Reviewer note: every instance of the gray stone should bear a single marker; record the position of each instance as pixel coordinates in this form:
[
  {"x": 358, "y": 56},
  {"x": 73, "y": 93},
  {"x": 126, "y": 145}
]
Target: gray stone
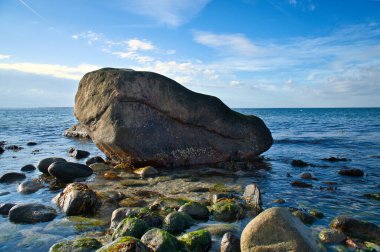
[
  {"x": 95, "y": 160},
  {"x": 332, "y": 236},
  {"x": 125, "y": 244},
  {"x": 11, "y": 177},
  {"x": 77, "y": 131},
  {"x": 44, "y": 164},
  {"x": 28, "y": 187},
  {"x": 79, "y": 154},
  {"x": 5, "y": 207},
  {"x": 159, "y": 240},
  {"x": 252, "y": 197},
  {"x": 28, "y": 168},
  {"x": 230, "y": 243},
  {"x": 125, "y": 110},
  {"x": 31, "y": 213},
  {"x": 176, "y": 222},
  {"x": 195, "y": 210},
  {"x": 68, "y": 171}
]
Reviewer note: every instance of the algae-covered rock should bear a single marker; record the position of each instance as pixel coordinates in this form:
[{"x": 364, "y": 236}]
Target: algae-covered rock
[
  {"x": 161, "y": 241},
  {"x": 332, "y": 236},
  {"x": 196, "y": 241},
  {"x": 195, "y": 210},
  {"x": 356, "y": 228},
  {"x": 130, "y": 227},
  {"x": 77, "y": 245},
  {"x": 177, "y": 222},
  {"x": 125, "y": 244},
  {"x": 304, "y": 217},
  {"x": 226, "y": 211},
  {"x": 316, "y": 213}
]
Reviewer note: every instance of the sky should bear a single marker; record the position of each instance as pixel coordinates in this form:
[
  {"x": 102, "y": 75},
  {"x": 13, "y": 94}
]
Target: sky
[{"x": 248, "y": 53}]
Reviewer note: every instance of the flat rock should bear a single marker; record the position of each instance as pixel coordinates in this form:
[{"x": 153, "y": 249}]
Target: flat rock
[
  {"x": 78, "y": 199},
  {"x": 276, "y": 229},
  {"x": 31, "y": 213},
  {"x": 68, "y": 171},
  {"x": 11, "y": 177},
  {"x": 28, "y": 187},
  {"x": 124, "y": 110},
  {"x": 44, "y": 164}
]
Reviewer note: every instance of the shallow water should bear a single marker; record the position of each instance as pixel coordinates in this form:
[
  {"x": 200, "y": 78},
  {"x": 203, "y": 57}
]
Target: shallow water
[{"x": 307, "y": 134}]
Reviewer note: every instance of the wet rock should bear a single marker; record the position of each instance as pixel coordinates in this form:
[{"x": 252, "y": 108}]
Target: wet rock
[
  {"x": 146, "y": 172},
  {"x": 307, "y": 175},
  {"x": 195, "y": 210},
  {"x": 160, "y": 240},
  {"x": 332, "y": 236},
  {"x": 125, "y": 244},
  {"x": 336, "y": 159},
  {"x": 31, "y": 144},
  {"x": 279, "y": 201},
  {"x": 355, "y": 244},
  {"x": 304, "y": 217},
  {"x": 78, "y": 245},
  {"x": 111, "y": 175},
  {"x": 356, "y": 228},
  {"x": 196, "y": 241},
  {"x": 151, "y": 218},
  {"x": 130, "y": 227},
  {"x": 301, "y": 184},
  {"x": 99, "y": 167},
  {"x": 375, "y": 196},
  {"x": 276, "y": 229},
  {"x": 28, "y": 168},
  {"x": 220, "y": 196},
  {"x": 11, "y": 177},
  {"x": 78, "y": 199},
  {"x": 5, "y": 207},
  {"x": 13, "y": 147},
  {"x": 77, "y": 131},
  {"x": 220, "y": 229},
  {"x": 31, "y": 213},
  {"x": 316, "y": 213},
  {"x": 188, "y": 128},
  {"x": 79, "y": 154},
  {"x": 4, "y": 193},
  {"x": 176, "y": 222},
  {"x": 230, "y": 243},
  {"x": 95, "y": 160},
  {"x": 299, "y": 163},
  {"x": 252, "y": 197},
  {"x": 226, "y": 211},
  {"x": 44, "y": 164},
  {"x": 1, "y": 150},
  {"x": 28, "y": 187},
  {"x": 351, "y": 172},
  {"x": 68, "y": 171}
]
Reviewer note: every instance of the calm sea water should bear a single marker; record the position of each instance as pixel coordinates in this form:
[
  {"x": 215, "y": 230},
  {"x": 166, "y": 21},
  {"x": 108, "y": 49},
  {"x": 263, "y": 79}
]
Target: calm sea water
[{"x": 307, "y": 134}]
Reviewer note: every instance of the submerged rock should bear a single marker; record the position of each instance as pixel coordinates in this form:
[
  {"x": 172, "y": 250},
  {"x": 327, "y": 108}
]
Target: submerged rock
[
  {"x": 28, "y": 168},
  {"x": 77, "y": 131},
  {"x": 28, "y": 187},
  {"x": 44, "y": 164},
  {"x": 375, "y": 196},
  {"x": 298, "y": 183},
  {"x": 78, "y": 199},
  {"x": 31, "y": 144},
  {"x": 68, "y": 171},
  {"x": 11, "y": 177},
  {"x": 336, "y": 159},
  {"x": 195, "y": 210},
  {"x": 304, "y": 217},
  {"x": 5, "y": 207},
  {"x": 351, "y": 172},
  {"x": 13, "y": 147},
  {"x": 1, "y": 150},
  {"x": 307, "y": 175},
  {"x": 276, "y": 229},
  {"x": 196, "y": 241},
  {"x": 125, "y": 244},
  {"x": 356, "y": 228},
  {"x": 31, "y": 213},
  {"x": 130, "y": 227},
  {"x": 77, "y": 245},
  {"x": 230, "y": 243},
  {"x": 299, "y": 163},
  {"x": 160, "y": 240},
  {"x": 124, "y": 109},
  {"x": 176, "y": 222}
]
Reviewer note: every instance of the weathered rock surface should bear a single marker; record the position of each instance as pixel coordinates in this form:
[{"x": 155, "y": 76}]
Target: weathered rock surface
[
  {"x": 227, "y": 211},
  {"x": 11, "y": 177},
  {"x": 78, "y": 199},
  {"x": 124, "y": 110},
  {"x": 78, "y": 245},
  {"x": 159, "y": 240},
  {"x": 356, "y": 228},
  {"x": 276, "y": 229},
  {"x": 196, "y": 241},
  {"x": 125, "y": 244},
  {"x": 230, "y": 243},
  {"x": 130, "y": 227},
  {"x": 252, "y": 197},
  {"x": 195, "y": 210},
  {"x": 77, "y": 131},
  {"x": 68, "y": 171},
  {"x": 44, "y": 164},
  {"x": 28, "y": 187},
  {"x": 176, "y": 222},
  {"x": 31, "y": 213}
]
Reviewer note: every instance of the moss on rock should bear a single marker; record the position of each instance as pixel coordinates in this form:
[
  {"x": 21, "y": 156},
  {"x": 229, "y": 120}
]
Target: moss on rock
[
  {"x": 176, "y": 222},
  {"x": 125, "y": 244},
  {"x": 130, "y": 227},
  {"x": 85, "y": 244},
  {"x": 160, "y": 240},
  {"x": 196, "y": 241},
  {"x": 226, "y": 211}
]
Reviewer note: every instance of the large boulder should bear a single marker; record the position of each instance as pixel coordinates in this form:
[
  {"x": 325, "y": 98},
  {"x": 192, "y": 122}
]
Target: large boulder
[
  {"x": 276, "y": 229},
  {"x": 147, "y": 118}
]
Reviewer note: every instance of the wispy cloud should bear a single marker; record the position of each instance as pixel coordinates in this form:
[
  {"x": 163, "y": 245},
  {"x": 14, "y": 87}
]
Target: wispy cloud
[
  {"x": 5, "y": 56},
  {"x": 169, "y": 12},
  {"x": 90, "y": 36},
  {"x": 32, "y": 10},
  {"x": 58, "y": 71}
]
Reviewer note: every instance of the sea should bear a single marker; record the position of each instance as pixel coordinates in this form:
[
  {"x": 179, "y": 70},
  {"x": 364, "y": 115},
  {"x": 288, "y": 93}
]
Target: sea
[{"x": 308, "y": 134}]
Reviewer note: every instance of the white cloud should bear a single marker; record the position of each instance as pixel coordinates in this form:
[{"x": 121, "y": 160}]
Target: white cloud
[
  {"x": 4, "y": 56},
  {"x": 167, "y": 12},
  {"x": 90, "y": 36},
  {"x": 136, "y": 44},
  {"x": 58, "y": 71},
  {"x": 233, "y": 43}
]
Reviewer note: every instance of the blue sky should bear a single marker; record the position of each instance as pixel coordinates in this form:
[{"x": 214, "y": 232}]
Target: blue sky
[{"x": 249, "y": 53}]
